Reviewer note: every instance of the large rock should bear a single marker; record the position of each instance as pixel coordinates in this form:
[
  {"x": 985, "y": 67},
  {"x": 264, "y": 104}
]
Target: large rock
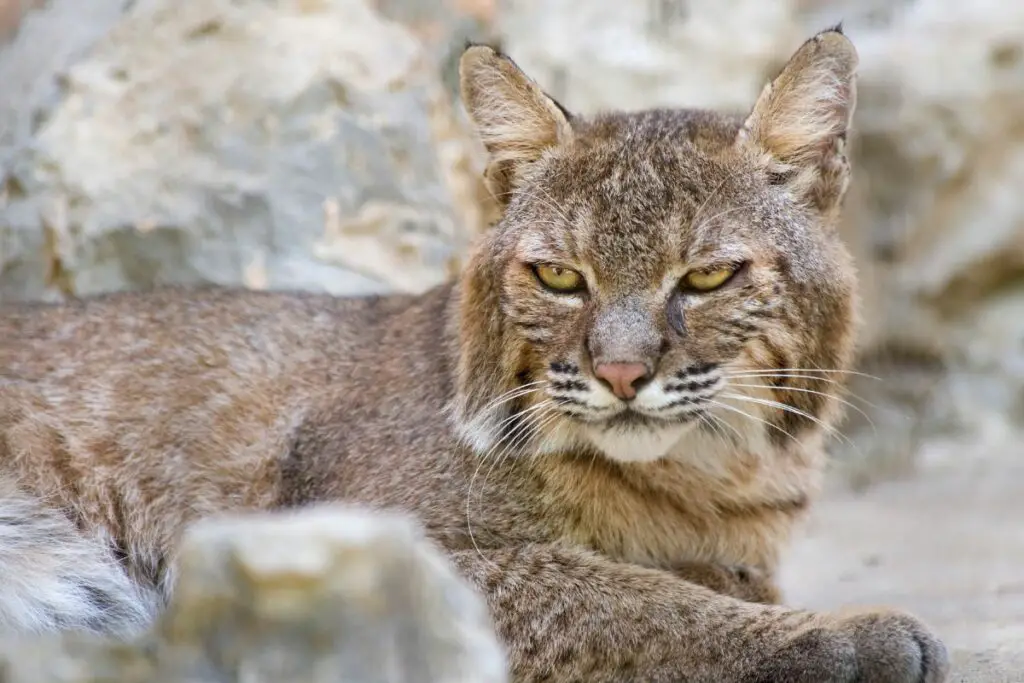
[
  {"x": 936, "y": 220},
  {"x": 607, "y": 54},
  {"x": 324, "y": 595},
  {"x": 270, "y": 143}
]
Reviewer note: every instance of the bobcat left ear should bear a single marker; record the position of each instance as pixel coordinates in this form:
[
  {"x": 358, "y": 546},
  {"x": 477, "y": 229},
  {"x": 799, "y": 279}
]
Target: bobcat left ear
[
  {"x": 801, "y": 120},
  {"x": 515, "y": 119}
]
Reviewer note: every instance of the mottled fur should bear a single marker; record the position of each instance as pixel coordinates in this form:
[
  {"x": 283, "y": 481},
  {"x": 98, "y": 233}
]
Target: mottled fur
[{"x": 614, "y": 541}]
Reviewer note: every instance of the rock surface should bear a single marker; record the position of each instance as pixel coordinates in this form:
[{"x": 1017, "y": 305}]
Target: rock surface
[
  {"x": 319, "y": 596},
  {"x": 281, "y": 144}
]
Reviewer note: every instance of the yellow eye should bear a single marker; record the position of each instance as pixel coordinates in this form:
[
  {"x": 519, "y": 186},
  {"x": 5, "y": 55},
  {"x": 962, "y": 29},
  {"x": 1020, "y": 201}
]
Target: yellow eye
[
  {"x": 707, "y": 281},
  {"x": 563, "y": 280}
]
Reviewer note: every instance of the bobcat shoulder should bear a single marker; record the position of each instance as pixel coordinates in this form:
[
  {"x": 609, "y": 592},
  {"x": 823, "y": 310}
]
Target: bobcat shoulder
[{"x": 611, "y": 421}]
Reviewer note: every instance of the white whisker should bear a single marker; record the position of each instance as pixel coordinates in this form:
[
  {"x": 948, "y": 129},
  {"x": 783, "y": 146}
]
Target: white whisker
[
  {"x": 752, "y": 417},
  {"x": 809, "y": 371},
  {"x": 810, "y": 391},
  {"x": 795, "y": 411},
  {"x": 486, "y": 456}
]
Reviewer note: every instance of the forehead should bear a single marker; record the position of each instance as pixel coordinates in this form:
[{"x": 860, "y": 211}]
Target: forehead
[{"x": 631, "y": 200}]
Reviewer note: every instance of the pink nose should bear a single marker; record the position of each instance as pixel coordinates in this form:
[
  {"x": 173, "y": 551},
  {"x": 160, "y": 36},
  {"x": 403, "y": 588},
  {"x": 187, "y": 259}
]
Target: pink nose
[{"x": 622, "y": 377}]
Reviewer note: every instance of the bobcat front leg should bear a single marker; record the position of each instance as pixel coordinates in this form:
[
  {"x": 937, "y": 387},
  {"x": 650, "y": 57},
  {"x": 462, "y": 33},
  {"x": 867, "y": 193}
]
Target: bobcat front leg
[
  {"x": 567, "y": 615},
  {"x": 737, "y": 581}
]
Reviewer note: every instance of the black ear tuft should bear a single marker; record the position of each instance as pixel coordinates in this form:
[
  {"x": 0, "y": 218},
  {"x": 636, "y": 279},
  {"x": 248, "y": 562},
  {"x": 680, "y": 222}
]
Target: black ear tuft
[{"x": 470, "y": 43}]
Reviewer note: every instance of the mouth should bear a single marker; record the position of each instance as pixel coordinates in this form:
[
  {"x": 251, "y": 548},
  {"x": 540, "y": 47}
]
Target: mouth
[{"x": 631, "y": 419}]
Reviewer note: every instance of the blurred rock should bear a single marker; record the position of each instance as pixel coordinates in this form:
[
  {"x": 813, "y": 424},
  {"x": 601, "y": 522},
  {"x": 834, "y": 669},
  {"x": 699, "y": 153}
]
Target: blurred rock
[
  {"x": 936, "y": 219},
  {"x": 631, "y": 55},
  {"x": 323, "y": 595},
  {"x": 285, "y": 144}
]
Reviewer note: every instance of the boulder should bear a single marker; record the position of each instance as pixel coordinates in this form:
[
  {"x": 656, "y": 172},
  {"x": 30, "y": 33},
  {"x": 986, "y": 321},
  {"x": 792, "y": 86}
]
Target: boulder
[
  {"x": 278, "y": 144},
  {"x": 322, "y": 595}
]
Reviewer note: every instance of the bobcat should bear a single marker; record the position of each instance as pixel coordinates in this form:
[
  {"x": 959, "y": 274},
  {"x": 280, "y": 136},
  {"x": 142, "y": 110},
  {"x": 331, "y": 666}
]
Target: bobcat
[{"x": 610, "y": 422}]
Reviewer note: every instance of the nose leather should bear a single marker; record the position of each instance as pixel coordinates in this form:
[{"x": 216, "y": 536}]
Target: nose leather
[{"x": 622, "y": 377}]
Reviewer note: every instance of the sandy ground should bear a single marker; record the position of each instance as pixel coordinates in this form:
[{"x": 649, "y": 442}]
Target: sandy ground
[{"x": 946, "y": 543}]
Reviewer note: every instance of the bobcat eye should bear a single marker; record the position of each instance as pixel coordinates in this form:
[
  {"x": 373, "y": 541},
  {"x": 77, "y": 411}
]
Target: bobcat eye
[
  {"x": 706, "y": 281},
  {"x": 559, "y": 279}
]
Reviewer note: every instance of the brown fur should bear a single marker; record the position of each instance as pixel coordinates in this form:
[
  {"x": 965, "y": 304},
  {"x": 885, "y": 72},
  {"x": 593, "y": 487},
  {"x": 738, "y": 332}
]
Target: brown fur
[{"x": 621, "y": 547}]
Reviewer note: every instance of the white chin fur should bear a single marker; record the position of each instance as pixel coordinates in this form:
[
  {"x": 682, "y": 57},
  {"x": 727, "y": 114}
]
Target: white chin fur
[{"x": 642, "y": 445}]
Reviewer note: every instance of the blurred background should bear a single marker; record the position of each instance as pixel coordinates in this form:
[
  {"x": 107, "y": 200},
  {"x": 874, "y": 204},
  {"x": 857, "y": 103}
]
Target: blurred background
[{"x": 320, "y": 144}]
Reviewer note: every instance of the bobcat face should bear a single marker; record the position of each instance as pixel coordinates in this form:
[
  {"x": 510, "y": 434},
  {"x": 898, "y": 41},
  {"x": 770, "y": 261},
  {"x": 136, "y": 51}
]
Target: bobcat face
[
  {"x": 657, "y": 273},
  {"x": 643, "y": 278}
]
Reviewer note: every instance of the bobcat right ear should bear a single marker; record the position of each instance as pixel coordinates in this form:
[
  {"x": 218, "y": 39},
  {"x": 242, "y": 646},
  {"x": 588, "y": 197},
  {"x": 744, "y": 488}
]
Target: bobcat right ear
[
  {"x": 801, "y": 120},
  {"x": 516, "y": 121}
]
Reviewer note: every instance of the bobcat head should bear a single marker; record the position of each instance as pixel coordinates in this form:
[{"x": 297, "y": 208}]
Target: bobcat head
[{"x": 658, "y": 273}]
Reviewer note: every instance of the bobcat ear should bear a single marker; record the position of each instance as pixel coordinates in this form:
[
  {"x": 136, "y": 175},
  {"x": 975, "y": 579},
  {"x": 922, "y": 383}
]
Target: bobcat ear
[
  {"x": 800, "y": 122},
  {"x": 516, "y": 121}
]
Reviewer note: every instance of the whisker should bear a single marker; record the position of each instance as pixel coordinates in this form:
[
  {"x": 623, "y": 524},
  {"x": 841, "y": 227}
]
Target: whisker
[
  {"x": 549, "y": 203},
  {"x": 709, "y": 420},
  {"x": 751, "y": 417},
  {"x": 786, "y": 375},
  {"x": 845, "y": 389},
  {"x": 795, "y": 411},
  {"x": 707, "y": 200},
  {"x": 813, "y": 370},
  {"x": 719, "y": 421},
  {"x": 849, "y": 404},
  {"x": 719, "y": 215},
  {"x": 484, "y": 458},
  {"x": 512, "y": 394},
  {"x": 540, "y": 420}
]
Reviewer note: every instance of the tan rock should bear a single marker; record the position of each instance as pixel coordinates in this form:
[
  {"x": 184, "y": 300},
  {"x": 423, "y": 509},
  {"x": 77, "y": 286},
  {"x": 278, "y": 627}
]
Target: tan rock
[
  {"x": 322, "y": 595},
  {"x": 201, "y": 142}
]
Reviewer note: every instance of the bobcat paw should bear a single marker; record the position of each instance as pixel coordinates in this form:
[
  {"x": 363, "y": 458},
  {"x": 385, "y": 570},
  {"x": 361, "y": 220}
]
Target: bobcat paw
[{"x": 866, "y": 647}]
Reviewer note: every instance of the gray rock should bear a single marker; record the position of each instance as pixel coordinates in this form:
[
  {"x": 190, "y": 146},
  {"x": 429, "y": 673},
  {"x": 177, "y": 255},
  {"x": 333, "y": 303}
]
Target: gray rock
[
  {"x": 936, "y": 221},
  {"x": 318, "y": 596},
  {"x": 308, "y": 145}
]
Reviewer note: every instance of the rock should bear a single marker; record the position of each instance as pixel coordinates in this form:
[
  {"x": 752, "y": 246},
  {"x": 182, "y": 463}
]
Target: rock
[
  {"x": 630, "y": 55},
  {"x": 937, "y": 224},
  {"x": 272, "y": 144},
  {"x": 323, "y": 595}
]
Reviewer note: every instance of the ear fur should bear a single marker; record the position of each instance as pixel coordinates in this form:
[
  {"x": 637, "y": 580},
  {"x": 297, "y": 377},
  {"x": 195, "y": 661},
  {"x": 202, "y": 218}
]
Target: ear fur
[
  {"x": 800, "y": 122},
  {"x": 516, "y": 121}
]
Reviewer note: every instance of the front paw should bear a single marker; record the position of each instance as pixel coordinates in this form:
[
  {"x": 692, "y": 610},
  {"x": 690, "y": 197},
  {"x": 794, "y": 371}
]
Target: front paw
[{"x": 864, "y": 647}]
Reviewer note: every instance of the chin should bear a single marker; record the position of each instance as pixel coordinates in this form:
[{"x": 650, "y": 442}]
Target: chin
[{"x": 634, "y": 438}]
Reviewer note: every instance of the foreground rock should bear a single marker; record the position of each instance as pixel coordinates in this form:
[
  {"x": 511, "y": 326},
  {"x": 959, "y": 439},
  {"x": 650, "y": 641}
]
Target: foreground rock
[
  {"x": 320, "y": 596},
  {"x": 278, "y": 144}
]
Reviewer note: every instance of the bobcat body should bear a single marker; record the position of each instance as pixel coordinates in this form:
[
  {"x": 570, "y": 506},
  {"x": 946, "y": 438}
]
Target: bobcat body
[{"x": 610, "y": 422}]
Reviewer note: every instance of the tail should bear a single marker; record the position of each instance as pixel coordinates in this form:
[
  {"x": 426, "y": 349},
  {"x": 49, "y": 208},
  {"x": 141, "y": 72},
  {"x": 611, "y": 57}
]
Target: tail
[{"x": 54, "y": 577}]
